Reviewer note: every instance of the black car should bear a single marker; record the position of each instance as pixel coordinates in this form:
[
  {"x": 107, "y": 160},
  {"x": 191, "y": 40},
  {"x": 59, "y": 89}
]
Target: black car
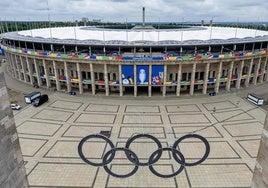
[{"x": 40, "y": 100}]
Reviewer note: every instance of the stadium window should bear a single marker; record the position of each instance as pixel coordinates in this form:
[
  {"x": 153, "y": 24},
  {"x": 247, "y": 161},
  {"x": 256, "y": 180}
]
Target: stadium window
[
  {"x": 170, "y": 76},
  {"x": 101, "y": 76},
  {"x": 184, "y": 76},
  {"x": 213, "y": 74},
  {"x": 114, "y": 76},
  {"x": 96, "y": 76}
]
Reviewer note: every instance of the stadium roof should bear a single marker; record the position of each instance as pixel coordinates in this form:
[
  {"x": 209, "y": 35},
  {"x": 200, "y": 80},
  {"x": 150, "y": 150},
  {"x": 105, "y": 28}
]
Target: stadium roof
[{"x": 146, "y": 37}]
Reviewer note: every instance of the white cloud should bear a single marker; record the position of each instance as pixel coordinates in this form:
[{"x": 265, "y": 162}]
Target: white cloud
[{"x": 119, "y": 10}]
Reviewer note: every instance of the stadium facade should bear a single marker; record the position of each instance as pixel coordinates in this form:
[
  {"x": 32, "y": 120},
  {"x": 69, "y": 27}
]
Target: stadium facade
[{"x": 138, "y": 61}]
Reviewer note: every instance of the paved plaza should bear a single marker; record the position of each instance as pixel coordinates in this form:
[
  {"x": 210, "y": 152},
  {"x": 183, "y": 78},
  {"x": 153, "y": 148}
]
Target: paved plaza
[{"x": 49, "y": 137}]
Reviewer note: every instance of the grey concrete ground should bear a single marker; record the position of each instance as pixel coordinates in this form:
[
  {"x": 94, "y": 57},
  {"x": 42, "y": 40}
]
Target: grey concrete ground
[{"x": 49, "y": 136}]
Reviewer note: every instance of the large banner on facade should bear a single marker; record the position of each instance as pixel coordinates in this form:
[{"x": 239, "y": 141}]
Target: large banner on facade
[
  {"x": 157, "y": 74},
  {"x": 142, "y": 74},
  {"x": 127, "y": 74}
]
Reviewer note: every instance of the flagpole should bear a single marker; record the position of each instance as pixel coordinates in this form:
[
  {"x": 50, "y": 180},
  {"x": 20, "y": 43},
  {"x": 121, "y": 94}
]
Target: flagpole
[
  {"x": 236, "y": 26},
  {"x": 49, "y": 24},
  {"x": 181, "y": 34}
]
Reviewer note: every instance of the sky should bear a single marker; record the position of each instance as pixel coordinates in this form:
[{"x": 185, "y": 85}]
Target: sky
[{"x": 131, "y": 10}]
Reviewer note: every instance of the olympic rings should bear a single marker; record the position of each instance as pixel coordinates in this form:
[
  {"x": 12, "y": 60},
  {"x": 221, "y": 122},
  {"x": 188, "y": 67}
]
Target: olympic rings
[
  {"x": 129, "y": 152},
  {"x": 154, "y": 157},
  {"x": 147, "y": 136},
  {"x": 81, "y": 154},
  {"x": 174, "y": 151},
  {"x": 176, "y": 144}
]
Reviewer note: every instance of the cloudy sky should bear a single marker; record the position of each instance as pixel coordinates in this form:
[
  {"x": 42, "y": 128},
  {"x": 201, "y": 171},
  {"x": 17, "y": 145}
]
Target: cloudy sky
[{"x": 131, "y": 10}]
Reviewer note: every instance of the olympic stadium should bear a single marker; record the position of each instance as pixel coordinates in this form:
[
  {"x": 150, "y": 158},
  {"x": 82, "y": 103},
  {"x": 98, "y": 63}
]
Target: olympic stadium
[{"x": 143, "y": 60}]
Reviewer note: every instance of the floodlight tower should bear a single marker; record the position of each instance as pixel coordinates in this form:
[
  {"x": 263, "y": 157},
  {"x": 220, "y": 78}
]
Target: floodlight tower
[{"x": 143, "y": 16}]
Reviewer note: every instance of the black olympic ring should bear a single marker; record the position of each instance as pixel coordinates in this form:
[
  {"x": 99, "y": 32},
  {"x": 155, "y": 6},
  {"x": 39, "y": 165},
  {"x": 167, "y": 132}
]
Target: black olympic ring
[
  {"x": 174, "y": 151},
  {"x": 129, "y": 152},
  {"x": 80, "y": 152},
  {"x": 133, "y": 158},
  {"x": 150, "y": 162},
  {"x": 176, "y": 144}
]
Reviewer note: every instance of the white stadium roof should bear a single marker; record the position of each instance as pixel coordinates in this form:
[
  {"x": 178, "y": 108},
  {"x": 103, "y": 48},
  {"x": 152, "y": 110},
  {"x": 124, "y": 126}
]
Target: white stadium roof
[{"x": 187, "y": 36}]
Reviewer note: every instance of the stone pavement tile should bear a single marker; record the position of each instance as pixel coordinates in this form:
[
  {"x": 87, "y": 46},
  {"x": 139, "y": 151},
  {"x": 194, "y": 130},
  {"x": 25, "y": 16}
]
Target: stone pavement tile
[
  {"x": 127, "y": 132},
  {"x": 68, "y": 149},
  {"x": 102, "y": 108},
  {"x": 55, "y": 115},
  {"x": 182, "y": 108},
  {"x": 244, "y": 129},
  {"x": 66, "y": 105},
  {"x": 141, "y": 109},
  {"x": 96, "y": 118},
  {"x": 62, "y": 174},
  {"x": 143, "y": 177},
  {"x": 142, "y": 119},
  {"x": 38, "y": 128},
  {"x": 84, "y": 130},
  {"x": 29, "y": 146},
  {"x": 188, "y": 118},
  {"x": 220, "y": 105},
  {"x": 220, "y": 175},
  {"x": 232, "y": 115},
  {"x": 250, "y": 146},
  {"x": 206, "y": 131}
]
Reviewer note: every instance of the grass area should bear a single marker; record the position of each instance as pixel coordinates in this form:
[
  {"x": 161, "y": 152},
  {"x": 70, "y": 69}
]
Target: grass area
[{"x": 266, "y": 102}]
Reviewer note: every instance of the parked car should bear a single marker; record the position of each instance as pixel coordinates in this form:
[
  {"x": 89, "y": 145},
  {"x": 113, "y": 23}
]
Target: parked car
[
  {"x": 15, "y": 106},
  {"x": 40, "y": 100}
]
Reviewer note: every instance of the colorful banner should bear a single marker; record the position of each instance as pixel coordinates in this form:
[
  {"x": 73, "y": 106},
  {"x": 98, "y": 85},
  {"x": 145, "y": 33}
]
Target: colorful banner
[
  {"x": 127, "y": 74},
  {"x": 157, "y": 74},
  {"x": 142, "y": 74}
]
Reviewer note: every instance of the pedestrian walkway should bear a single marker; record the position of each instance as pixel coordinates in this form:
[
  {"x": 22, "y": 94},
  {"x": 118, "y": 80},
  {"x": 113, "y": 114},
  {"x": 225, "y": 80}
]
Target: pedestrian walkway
[{"x": 49, "y": 137}]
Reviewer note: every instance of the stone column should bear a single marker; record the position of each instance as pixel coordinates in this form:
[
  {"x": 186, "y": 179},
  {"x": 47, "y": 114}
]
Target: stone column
[
  {"x": 164, "y": 80},
  {"x": 23, "y": 69},
  {"x": 217, "y": 85},
  {"x": 260, "y": 175},
  {"x": 30, "y": 70},
  {"x": 230, "y": 72},
  {"x": 19, "y": 71},
  {"x": 46, "y": 73},
  {"x": 92, "y": 79},
  {"x": 150, "y": 81},
  {"x": 192, "y": 79},
  {"x": 178, "y": 92},
  {"x": 56, "y": 76},
  {"x": 14, "y": 66},
  {"x": 256, "y": 72},
  {"x": 10, "y": 64},
  {"x": 37, "y": 72},
  {"x": 249, "y": 73},
  {"x": 135, "y": 80},
  {"x": 205, "y": 81},
  {"x": 266, "y": 70},
  {"x": 239, "y": 75},
  {"x": 79, "y": 76},
  {"x": 120, "y": 80},
  {"x": 12, "y": 169},
  {"x": 263, "y": 69},
  {"x": 106, "y": 80},
  {"x": 66, "y": 72}
]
